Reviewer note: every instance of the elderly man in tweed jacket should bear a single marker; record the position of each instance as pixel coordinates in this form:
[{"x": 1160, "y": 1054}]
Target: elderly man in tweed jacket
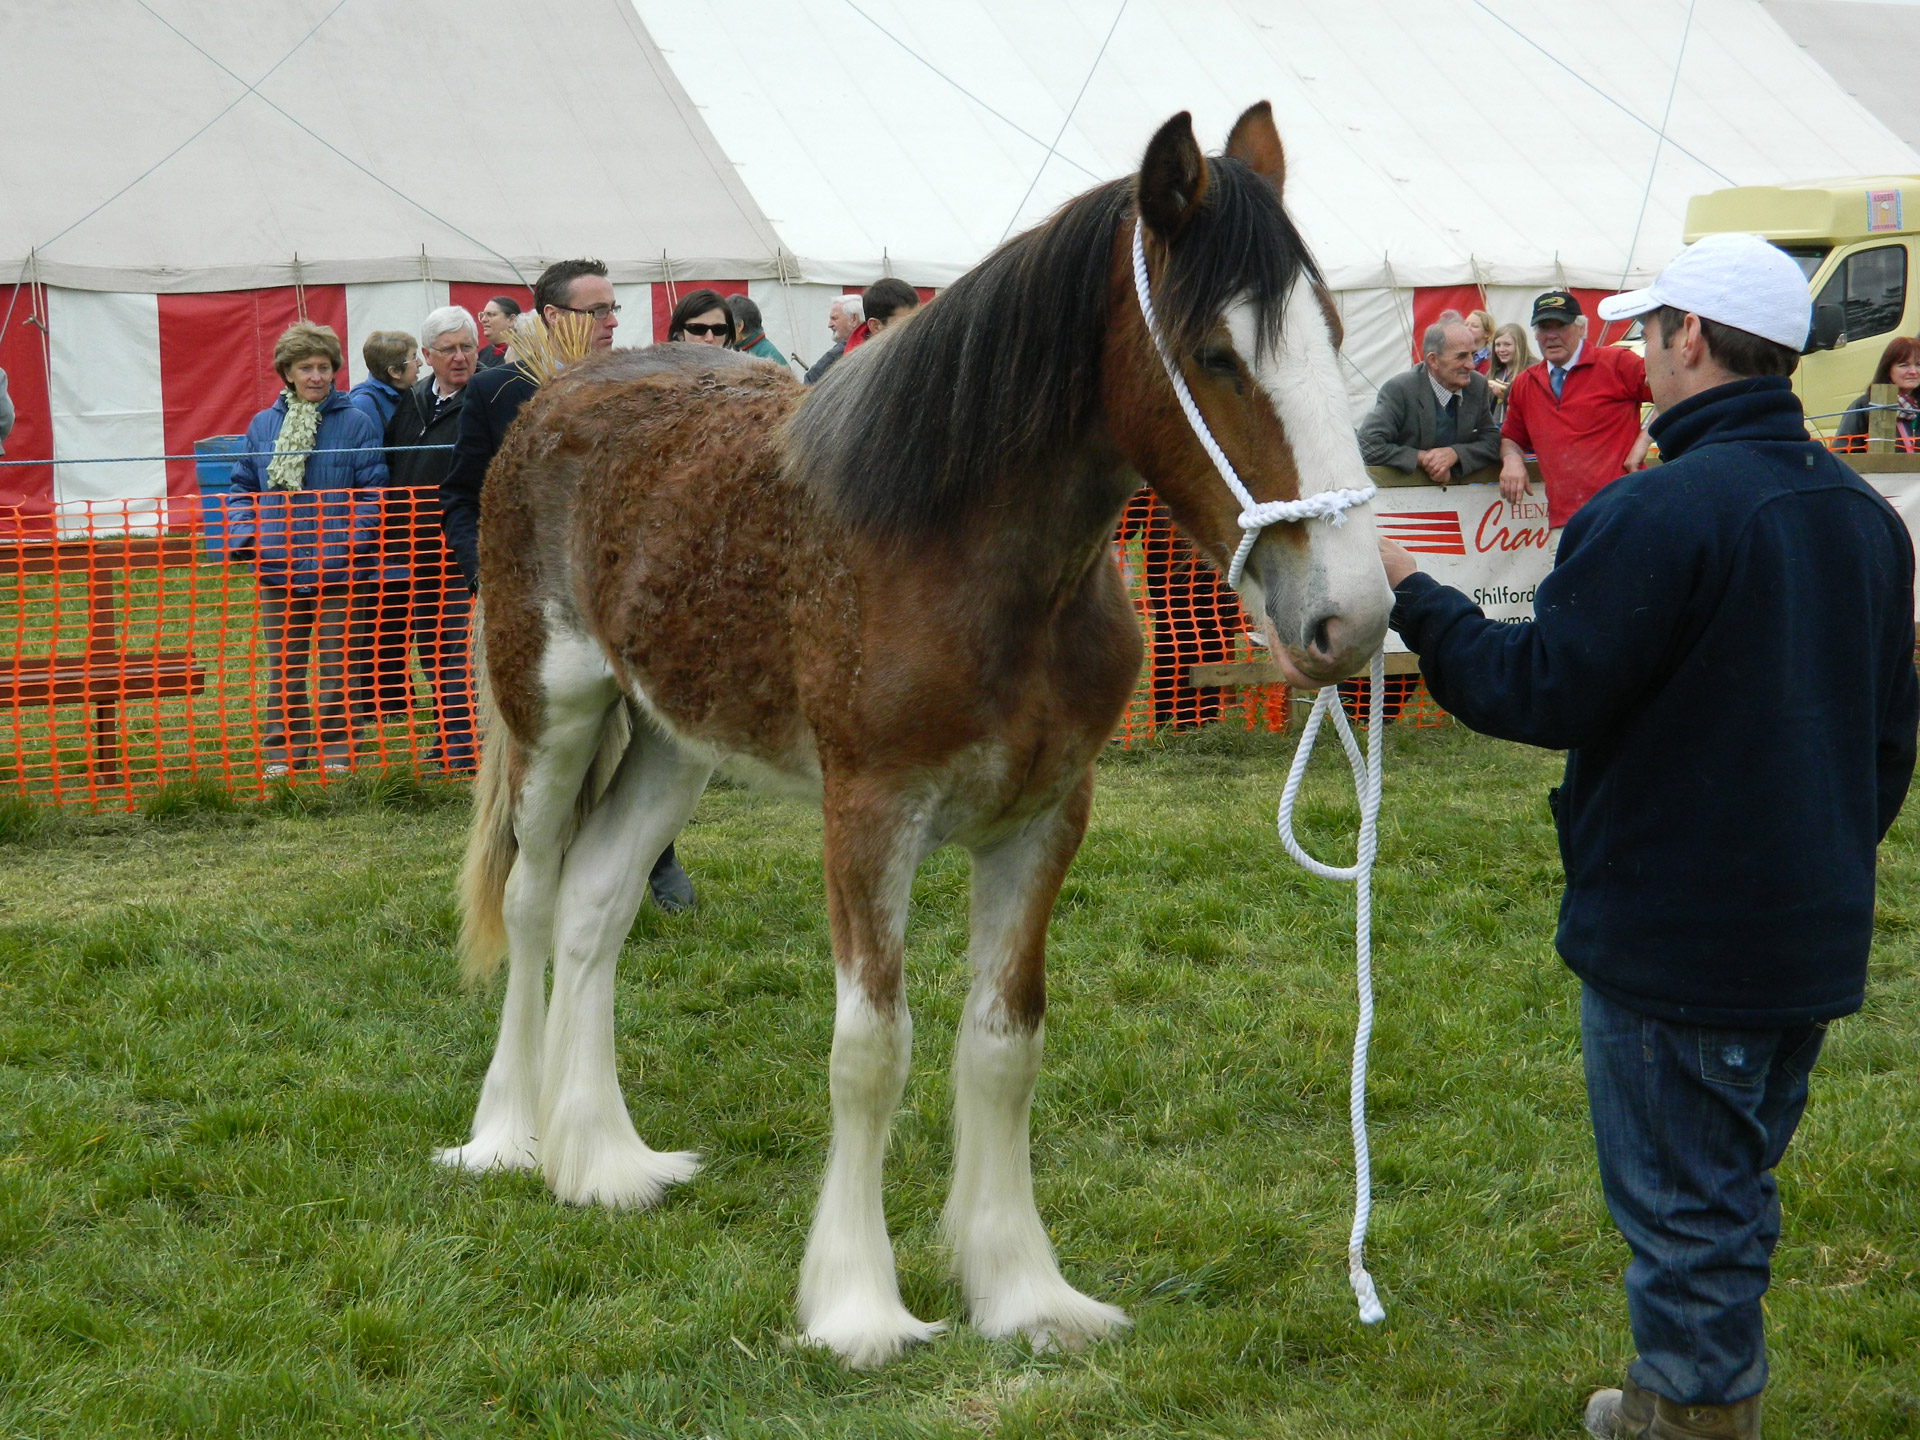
[{"x": 1437, "y": 417}]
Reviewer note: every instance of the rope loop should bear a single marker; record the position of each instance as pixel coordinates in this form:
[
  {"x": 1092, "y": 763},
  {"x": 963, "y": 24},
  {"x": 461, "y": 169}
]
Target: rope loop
[{"x": 1366, "y": 784}]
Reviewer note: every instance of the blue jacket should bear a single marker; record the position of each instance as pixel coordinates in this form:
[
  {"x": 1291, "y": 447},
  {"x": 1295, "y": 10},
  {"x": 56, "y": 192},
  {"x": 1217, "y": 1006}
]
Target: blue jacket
[
  {"x": 1725, "y": 648},
  {"x": 376, "y": 400},
  {"x": 324, "y": 532}
]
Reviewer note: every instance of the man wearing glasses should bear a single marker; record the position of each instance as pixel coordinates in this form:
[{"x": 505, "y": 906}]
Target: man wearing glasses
[{"x": 494, "y": 398}]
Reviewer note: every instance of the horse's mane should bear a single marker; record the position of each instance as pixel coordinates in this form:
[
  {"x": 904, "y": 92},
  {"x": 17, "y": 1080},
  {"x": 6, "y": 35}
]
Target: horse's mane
[{"x": 1001, "y": 374}]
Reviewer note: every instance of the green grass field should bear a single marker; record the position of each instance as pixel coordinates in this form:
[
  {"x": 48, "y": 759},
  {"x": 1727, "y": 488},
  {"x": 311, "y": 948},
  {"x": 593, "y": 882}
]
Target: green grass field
[{"x": 230, "y": 1038}]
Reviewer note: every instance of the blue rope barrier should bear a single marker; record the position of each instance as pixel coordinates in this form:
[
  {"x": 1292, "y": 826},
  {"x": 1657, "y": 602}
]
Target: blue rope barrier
[{"x": 221, "y": 456}]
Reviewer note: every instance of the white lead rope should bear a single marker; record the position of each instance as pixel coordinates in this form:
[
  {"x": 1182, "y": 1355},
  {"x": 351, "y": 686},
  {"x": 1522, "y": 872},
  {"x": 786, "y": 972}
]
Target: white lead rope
[
  {"x": 1255, "y": 516},
  {"x": 1366, "y": 785}
]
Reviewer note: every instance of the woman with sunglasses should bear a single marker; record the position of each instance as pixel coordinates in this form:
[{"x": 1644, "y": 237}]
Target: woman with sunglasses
[{"x": 702, "y": 318}]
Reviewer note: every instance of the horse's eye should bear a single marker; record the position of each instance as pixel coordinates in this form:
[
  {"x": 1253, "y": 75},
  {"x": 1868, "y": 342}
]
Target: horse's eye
[{"x": 1219, "y": 363}]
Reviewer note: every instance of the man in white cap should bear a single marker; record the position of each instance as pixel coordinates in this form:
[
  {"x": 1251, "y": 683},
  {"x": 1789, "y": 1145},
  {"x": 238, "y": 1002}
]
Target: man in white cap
[{"x": 1718, "y": 838}]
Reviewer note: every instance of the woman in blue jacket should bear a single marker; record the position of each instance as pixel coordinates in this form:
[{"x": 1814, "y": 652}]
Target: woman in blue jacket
[
  {"x": 303, "y": 512},
  {"x": 393, "y": 364}
]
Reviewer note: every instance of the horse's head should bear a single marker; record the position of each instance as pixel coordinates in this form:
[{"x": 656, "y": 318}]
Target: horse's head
[{"x": 1254, "y": 334}]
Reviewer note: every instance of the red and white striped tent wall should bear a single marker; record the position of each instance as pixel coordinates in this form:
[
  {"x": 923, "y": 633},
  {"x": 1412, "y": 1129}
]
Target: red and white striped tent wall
[
  {"x": 98, "y": 375},
  {"x": 201, "y": 172}
]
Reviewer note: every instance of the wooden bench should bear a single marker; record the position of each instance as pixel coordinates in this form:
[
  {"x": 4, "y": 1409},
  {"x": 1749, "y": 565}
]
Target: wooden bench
[
  {"x": 1265, "y": 672},
  {"x": 103, "y": 676}
]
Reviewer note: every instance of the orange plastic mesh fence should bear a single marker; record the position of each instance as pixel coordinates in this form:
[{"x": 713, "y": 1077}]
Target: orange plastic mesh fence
[
  {"x": 134, "y": 653},
  {"x": 133, "y": 656},
  {"x": 1189, "y": 617}
]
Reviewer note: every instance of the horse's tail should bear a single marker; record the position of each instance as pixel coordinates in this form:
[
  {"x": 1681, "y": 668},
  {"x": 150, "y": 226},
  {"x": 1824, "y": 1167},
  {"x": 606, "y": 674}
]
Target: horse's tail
[{"x": 491, "y": 846}]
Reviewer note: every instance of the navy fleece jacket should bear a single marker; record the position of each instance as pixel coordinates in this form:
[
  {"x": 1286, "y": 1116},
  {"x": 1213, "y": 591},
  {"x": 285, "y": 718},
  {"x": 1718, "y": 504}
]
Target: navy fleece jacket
[{"x": 1726, "y": 650}]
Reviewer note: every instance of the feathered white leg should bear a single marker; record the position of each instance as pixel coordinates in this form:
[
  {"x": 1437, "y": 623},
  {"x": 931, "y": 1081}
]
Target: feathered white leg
[
  {"x": 1002, "y": 1256},
  {"x": 589, "y": 1150},
  {"x": 505, "y": 1123},
  {"x": 849, "y": 1295}
]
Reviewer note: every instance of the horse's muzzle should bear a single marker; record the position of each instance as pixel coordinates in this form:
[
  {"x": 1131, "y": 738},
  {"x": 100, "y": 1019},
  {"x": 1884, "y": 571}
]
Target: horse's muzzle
[{"x": 1318, "y": 644}]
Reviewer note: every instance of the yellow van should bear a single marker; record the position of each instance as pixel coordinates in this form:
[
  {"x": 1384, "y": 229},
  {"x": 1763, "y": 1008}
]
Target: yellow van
[{"x": 1852, "y": 239}]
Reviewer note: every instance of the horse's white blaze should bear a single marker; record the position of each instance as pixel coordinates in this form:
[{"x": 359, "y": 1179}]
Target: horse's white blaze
[
  {"x": 1001, "y": 1253},
  {"x": 849, "y": 1297},
  {"x": 1301, "y": 377}
]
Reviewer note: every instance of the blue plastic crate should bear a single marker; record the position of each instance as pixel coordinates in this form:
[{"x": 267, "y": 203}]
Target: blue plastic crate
[{"x": 213, "y": 470}]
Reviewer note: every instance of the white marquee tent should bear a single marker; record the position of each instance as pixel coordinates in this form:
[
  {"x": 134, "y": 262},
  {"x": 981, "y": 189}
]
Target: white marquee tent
[
  {"x": 201, "y": 171},
  {"x": 1497, "y": 144}
]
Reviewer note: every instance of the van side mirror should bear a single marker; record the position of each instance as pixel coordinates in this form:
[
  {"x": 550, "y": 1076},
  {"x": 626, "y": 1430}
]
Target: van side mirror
[{"x": 1829, "y": 328}]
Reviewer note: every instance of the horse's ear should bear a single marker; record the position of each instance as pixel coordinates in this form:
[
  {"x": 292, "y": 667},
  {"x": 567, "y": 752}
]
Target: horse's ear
[
  {"x": 1256, "y": 143},
  {"x": 1173, "y": 177}
]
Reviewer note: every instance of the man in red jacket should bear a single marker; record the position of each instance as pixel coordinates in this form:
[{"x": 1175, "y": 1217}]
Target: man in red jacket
[{"x": 1578, "y": 410}]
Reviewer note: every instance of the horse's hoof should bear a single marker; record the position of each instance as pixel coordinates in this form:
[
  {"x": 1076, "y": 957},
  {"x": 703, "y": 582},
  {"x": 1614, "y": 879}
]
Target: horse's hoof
[
  {"x": 482, "y": 1154},
  {"x": 633, "y": 1179},
  {"x": 1062, "y": 1320},
  {"x": 865, "y": 1341}
]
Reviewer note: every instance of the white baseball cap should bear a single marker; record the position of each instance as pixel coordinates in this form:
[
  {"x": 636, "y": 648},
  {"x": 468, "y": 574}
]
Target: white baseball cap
[{"x": 1738, "y": 280}]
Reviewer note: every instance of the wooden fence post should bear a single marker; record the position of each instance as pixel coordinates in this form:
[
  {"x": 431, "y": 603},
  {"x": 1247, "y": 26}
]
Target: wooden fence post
[{"x": 1881, "y": 435}]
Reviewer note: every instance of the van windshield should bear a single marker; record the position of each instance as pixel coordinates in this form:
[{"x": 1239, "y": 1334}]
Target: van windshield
[{"x": 1808, "y": 257}]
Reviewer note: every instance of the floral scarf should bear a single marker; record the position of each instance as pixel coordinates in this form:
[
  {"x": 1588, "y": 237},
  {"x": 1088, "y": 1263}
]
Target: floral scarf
[{"x": 287, "y": 470}]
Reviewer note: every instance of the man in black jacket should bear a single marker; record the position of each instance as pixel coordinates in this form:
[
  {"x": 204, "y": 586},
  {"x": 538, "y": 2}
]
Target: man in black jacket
[
  {"x": 494, "y": 398},
  {"x": 437, "y": 608},
  {"x": 1726, "y": 650}
]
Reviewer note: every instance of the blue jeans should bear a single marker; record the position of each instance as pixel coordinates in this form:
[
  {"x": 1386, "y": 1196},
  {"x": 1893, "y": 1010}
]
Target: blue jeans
[{"x": 1689, "y": 1122}]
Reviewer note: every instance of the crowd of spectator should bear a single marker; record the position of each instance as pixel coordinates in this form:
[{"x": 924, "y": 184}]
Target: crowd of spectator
[
  {"x": 1577, "y": 410},
  {"x": 1478, "y": 398},
  {"x": 359, "y": 509}
]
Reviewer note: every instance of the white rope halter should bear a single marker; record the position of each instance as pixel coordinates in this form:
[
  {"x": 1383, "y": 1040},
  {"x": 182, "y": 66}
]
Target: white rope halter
[
  {"x": 1255, "y": 516},
  {"x": 1329, "y": 505}
]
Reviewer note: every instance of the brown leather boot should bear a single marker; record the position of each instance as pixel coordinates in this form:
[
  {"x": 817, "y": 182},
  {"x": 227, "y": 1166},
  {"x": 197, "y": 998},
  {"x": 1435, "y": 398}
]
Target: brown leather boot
[
  {"x": 1631, "y": 1413},
  {"x": 1740, "y": 1421},
  {"x": 1622, "y": 1414}
]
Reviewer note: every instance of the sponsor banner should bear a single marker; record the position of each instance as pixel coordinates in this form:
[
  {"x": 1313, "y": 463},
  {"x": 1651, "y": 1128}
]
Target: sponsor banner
[
  {"x": 1495, "y": 552},
  {"x": 1468, "y": 537}
]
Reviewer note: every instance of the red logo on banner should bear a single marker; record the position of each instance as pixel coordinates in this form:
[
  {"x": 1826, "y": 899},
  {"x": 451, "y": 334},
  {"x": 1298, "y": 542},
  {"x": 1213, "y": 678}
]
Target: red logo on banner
[
  {"x": 1425, "y": 532},
  {"x": 1530, "y": 518}
]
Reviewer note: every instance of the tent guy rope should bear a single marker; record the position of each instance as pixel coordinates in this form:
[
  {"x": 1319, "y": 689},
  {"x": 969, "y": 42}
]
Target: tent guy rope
[
  {"x": 1331, "y": 506},
  {"x": 1065, "y": 120}
]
